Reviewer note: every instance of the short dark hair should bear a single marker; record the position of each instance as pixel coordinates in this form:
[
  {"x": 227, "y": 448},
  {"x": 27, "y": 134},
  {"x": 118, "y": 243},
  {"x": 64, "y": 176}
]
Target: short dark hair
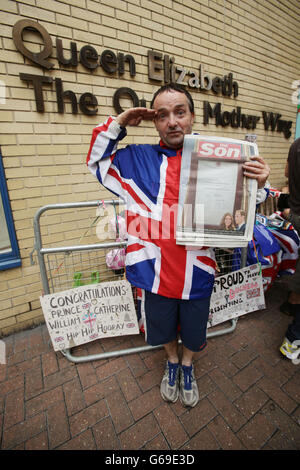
[
  {"x": 241, "y": 211},
  {"x": 174, "y": 87}
]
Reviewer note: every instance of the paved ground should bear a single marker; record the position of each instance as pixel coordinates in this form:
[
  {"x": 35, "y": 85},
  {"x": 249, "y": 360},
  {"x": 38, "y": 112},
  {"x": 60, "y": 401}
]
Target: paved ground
[{"x": 249, "y": 394}]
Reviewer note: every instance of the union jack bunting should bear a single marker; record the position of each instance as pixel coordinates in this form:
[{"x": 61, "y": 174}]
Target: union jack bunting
[
  {"x": 276, "y": 249},
  {"x": 274, "y": 192},
  {"x": 147, "y": 178},
  {"x": 270, "y": 270},
  {"x": 289, "y": 242}
]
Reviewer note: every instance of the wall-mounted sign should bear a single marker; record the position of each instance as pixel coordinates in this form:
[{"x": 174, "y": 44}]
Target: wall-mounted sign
[
  {"x": 161, "y": 68},
  {"x": 236, "y": 118}
]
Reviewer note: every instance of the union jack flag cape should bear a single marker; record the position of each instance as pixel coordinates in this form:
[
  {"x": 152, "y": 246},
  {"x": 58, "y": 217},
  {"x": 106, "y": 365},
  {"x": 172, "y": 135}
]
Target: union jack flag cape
[{"x": 147, "y": 178}]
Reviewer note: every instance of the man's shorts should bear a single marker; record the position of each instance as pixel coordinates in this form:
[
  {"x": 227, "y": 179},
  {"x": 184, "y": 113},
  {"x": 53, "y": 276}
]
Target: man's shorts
[{"x": 163, "y": 318}]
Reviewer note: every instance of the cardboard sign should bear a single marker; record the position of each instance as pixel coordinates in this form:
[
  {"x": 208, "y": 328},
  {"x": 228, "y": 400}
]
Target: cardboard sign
[
  {"x": 87, "y": 313},
  {"x": 236, "y": 294}
]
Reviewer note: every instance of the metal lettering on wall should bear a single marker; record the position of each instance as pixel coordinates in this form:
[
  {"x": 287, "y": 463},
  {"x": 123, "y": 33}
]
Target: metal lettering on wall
[{"x": 161, "y": 68}]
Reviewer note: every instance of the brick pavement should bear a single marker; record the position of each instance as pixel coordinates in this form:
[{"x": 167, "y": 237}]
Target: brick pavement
[{"x": 249, "y": 394}]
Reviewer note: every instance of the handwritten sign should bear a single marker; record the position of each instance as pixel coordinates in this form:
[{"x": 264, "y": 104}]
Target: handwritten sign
[
  {"x": 87, "y": 313},
  {"x": 236, "y": 294}
]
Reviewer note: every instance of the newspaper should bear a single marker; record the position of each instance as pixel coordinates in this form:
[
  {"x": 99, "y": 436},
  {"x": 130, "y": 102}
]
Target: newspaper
[{"x": 216, "y": 201}]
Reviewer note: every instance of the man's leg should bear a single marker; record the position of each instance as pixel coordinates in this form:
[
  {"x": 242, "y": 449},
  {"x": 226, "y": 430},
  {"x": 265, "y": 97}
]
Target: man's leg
[
  {"x": 293, "y": 331},
  {"x": 294, "y": 280},
  {"x": 193, "y": 326},
  {"x": 161, "y": 320},
  {"x": 292, "y": 335},
  {"x": 172, "y": 351},
  {"x": 290, "y": 347},
  {"x": 188, "y": 388},
  {"x": 179, "y": 381},
  {"x": 169, "y": 387},
  {"x": 161, "y": 324},
  {"x": 187, "y": 356}
]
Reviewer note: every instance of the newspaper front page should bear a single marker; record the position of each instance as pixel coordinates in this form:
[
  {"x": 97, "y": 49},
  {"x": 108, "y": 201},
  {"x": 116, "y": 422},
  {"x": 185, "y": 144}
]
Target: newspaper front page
[{"x": 216, "y": 202}]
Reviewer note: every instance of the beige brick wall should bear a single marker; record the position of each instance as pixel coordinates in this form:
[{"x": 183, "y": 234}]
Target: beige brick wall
[{"x": 44, "y": 153}]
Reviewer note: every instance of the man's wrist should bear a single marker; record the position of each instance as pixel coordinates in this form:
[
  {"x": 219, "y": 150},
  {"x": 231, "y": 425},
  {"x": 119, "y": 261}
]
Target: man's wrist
[
  {"x": 121, "y": 121},
  {"x": 117, "y": 129},
  {"x": 261, "y": 195}
]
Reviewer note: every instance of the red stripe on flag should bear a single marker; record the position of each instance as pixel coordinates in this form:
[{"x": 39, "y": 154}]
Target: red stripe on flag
[
  {"x": 173, "y": 257},
  {"x": 128, "y": 188},
  {"x": 208, "y": 261},
  {"x": 134, "y": 247},
  {"x": 286, "y": 243},
  {"x": 95, "y": 134}
]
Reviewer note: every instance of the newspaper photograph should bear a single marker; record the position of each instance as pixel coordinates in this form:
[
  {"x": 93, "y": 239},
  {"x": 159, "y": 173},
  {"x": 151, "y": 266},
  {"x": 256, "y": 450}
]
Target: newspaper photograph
[{"x": 216, "y": 202}]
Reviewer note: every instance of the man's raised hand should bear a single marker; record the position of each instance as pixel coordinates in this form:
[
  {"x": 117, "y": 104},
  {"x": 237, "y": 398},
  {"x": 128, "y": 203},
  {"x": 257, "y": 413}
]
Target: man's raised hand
[{"x": 133, "y": 116}]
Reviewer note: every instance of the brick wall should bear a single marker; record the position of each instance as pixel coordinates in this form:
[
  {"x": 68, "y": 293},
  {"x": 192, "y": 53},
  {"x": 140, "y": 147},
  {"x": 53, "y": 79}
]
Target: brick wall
[{"x": 44, "y": 153}]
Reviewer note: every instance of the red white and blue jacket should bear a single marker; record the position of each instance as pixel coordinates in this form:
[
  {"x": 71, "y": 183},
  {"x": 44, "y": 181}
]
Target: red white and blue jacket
[{"x": 147, "y": 178}]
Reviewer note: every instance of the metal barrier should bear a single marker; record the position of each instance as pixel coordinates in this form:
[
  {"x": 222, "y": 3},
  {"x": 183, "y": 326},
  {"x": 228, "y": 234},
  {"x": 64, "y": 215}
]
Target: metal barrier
[{"x": 55, "y": 273}]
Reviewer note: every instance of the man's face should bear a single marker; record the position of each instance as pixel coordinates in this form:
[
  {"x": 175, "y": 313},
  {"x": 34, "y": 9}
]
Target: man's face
[
  {"x": 173, "y": 119},
  {"x": 239, "y": 219}
]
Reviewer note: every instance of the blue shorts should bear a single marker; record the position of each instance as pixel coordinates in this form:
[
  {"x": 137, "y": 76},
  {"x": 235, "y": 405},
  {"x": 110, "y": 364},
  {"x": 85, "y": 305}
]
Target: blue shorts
[{"x": 164, "y": 318}]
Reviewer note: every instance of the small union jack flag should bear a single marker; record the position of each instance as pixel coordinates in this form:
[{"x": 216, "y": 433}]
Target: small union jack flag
[{"x": 89, "y": 317}]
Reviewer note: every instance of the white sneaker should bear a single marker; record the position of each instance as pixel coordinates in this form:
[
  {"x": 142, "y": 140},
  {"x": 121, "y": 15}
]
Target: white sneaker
[
  {"x": 189, "y": 394},
  {"x": 291, "y": 350},
  {"x": 169, "y": 387}
]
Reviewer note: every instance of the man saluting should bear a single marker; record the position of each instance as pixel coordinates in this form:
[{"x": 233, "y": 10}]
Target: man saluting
[{"x": 176, "y": 283}]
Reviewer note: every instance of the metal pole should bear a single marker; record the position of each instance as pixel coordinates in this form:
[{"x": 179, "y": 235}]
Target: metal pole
[
  {"x": 65, "y": 249},
  {"x": 244, "y": 257},
  {"x": 38, "y": 247},
  {"x": 95, "y": 357}
]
